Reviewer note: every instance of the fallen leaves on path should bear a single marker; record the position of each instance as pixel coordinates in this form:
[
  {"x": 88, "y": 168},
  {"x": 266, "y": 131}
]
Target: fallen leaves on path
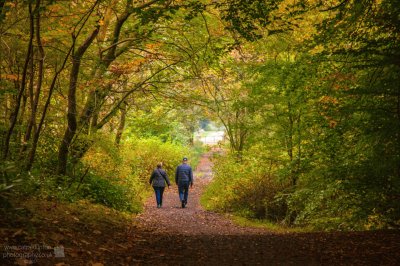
[{"x": 194, "y": 236}]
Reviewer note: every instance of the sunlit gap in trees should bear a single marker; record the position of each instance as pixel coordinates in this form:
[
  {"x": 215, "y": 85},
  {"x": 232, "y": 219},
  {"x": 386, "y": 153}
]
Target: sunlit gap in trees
[{"x": 209, "y": 133}]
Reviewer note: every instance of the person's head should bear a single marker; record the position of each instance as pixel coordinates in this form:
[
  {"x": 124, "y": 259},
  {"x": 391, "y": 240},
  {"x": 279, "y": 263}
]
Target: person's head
[
  {"x": 184, "y": 160},
  {"x": 159, "y": 165}
]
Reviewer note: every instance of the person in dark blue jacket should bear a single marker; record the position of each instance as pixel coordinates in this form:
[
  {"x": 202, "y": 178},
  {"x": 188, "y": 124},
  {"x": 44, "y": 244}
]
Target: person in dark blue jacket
[
  {"x": 184, "y": 178},
  {"x": 158, "y": 179}
]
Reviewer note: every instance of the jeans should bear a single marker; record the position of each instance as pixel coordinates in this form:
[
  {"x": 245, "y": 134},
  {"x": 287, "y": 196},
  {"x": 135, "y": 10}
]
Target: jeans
[
  {"x": 159, "y": 194},
  {"x": 183, "y": 189}
]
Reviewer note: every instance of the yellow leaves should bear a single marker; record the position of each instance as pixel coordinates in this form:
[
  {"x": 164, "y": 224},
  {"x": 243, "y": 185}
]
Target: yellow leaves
[
  {"x": 317, "y": 49},
  {"x": 106, "y": 161},
  {"x": 375, "y": 221},
  {"x": 11, "y": 4},
  {"x": 102, "y": 163},
  {"x": 302, "y": 23}
]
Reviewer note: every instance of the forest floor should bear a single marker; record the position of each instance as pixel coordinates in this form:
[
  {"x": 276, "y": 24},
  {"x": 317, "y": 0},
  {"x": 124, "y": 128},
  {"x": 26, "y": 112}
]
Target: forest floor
[{"x": 87, "y": 234}]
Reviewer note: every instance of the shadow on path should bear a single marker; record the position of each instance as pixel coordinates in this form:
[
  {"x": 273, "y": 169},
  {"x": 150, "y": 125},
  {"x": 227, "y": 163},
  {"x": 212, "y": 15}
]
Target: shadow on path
[{"x": 193, "y": 236}]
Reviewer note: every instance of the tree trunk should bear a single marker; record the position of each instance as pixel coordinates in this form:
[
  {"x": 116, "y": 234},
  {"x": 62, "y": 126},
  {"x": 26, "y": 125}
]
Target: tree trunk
[
  {"x": 121, "y": 126},
  {"x": 30, "y": 96},
  {"x": 2, "y": 15},
  {"x": 71, "y": 116},
  {"x": 97, "y": 96},
  {"x": 20, "y": 122},
  {"x": 32, "y": 153},
  {"x": 36, "y": 95},
  {"x": 14, "y": 116},
  {"x": 293, "y": 174}
]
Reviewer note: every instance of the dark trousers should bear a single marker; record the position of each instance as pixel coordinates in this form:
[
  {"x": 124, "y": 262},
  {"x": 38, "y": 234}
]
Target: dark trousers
[
  {"x": 183, "y": 189},
  {"x": 159, "y": 194}
]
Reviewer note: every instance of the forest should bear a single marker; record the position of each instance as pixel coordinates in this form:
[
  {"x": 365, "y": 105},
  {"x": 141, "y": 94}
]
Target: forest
[{"x": 94, "y": 93}]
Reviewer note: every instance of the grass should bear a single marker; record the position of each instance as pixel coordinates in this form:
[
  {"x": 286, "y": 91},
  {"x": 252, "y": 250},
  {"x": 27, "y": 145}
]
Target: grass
[
  {"x": 40, "y": 213},
  {"x": 257, "y": 223},
  {"x": 265, "y": 224}
]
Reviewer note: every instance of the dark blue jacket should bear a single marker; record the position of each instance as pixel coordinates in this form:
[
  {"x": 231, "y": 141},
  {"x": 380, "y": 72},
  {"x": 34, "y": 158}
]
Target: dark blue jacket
[
  {"x": 183, "y": 173},
  {"x": 158, "y": 178}
]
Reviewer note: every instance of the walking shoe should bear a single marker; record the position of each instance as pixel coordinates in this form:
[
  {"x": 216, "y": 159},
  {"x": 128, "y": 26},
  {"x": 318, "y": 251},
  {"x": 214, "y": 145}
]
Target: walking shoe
[
  {"x": 158, "y": 205},
  {"x": 183, "y": 204}
]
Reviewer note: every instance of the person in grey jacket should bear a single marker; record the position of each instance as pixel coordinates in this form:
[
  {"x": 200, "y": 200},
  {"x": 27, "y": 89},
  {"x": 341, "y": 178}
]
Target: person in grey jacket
[
  {"x": 184, "y": 178},
  {"x": 157, "y": 180}
]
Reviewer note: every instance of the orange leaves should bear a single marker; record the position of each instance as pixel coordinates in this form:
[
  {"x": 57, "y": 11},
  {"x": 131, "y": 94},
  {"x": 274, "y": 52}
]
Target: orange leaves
[
  {"x": 12, "y": 77},
  {"x": 153, "y": 46},
  {"x": 328, "y": 100},
  {"x": 128, "y": 67},
  {"x": 332, "y": 123},
  {"x": 54, "y": 8},
  {"x": 341, "y": 80}
]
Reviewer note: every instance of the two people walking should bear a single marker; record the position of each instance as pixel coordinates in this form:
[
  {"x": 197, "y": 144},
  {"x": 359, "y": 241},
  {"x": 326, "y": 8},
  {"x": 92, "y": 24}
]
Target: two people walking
[{"x": 183, "y": 178}]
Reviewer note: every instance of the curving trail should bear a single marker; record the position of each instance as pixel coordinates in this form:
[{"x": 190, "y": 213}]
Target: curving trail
[{"x": 193, "y": 220}]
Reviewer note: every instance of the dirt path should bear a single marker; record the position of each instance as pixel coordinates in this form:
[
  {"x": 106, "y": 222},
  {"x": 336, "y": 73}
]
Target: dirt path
[
  {"x": 193, "y": 220},
  {"x": 193, "y": 236}
]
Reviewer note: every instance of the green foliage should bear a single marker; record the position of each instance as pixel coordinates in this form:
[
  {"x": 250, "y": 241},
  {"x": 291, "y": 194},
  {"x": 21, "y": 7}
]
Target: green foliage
[
  {"x": 113, "y": 176},
  {"x": 10, "y": 179},
  {"x": 248, "y": 17},
  {"x": 166, "y": 125},
  {"x": 144, "y": 154},
  {"x": 244, "y": 188},
  {"x": 119, "y": 176},
  {"x": 117, "y": 195},
  {"x": 331, "y": 132},
  {"x": 10, "y": 176}
]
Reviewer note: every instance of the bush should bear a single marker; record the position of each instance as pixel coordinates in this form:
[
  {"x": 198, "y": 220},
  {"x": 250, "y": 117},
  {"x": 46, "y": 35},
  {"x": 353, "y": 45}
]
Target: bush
[
  {"x": 118, "y": 176},
  {"x": 111, "y": 175},
  {"x": 244, "y": 188},
  {"x": 143, "y": 156},
  {"x": 343, "y": 204},
  {"x": 118, "y": 196}
]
